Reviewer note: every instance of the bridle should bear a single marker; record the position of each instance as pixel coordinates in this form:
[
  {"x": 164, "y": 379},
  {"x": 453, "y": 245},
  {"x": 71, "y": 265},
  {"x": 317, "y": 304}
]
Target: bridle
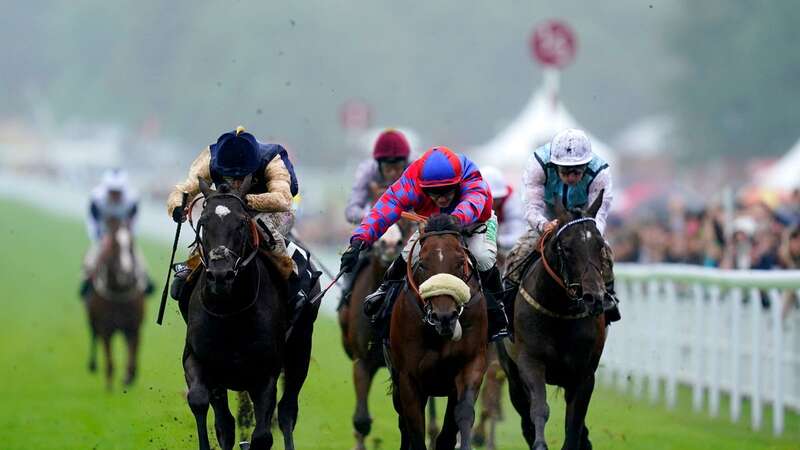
[
  {"x": 222, "y": 251},
  {"x": 562, "y": 277},
  {"x": 426, "y": 306}
]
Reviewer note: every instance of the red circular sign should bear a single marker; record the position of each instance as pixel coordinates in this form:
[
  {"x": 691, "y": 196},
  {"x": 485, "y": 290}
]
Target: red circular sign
[
  {"x": 553, "y": 43},
  {"x": 355, "y": 115}
]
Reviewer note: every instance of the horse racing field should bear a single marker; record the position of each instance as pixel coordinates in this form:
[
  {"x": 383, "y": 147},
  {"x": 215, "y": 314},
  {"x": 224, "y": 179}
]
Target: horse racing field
[{"x": 48, "y": 400}]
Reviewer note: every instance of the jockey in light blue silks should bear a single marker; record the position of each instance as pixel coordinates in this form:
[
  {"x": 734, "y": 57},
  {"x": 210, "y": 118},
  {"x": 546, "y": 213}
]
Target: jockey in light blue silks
[
  {"x": 113, "y": 198},
  {"x": 565, "y": 168}
]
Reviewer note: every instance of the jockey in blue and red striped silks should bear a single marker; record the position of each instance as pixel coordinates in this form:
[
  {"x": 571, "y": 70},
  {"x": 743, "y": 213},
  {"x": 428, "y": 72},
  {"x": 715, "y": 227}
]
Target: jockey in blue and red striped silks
[{"x": 441, "y": 181}]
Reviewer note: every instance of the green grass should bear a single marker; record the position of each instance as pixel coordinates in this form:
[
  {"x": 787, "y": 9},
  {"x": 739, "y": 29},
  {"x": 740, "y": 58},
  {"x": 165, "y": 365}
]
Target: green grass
[{"x": 48, "y": 400}]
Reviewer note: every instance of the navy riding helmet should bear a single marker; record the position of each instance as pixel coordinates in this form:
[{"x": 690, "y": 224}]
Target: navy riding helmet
[{"x": 236, "y": 154}]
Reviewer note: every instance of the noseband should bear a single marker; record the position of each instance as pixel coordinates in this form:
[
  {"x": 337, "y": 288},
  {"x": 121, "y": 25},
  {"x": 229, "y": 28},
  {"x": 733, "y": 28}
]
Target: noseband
[
  {"x": 561, "y": 278},
  {"x": 425, "y": 305}
]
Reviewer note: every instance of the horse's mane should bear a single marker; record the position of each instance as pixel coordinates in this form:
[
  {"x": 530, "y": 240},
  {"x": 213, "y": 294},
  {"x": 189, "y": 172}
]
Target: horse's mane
[
  {"x": 224, "y": 188},
  {"x": 443, "y": 222}
]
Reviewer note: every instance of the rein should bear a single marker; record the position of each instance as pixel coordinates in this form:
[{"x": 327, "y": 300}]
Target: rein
[
  {"x": 558, "y": 279},
  {"x": 426, "y": 306}
]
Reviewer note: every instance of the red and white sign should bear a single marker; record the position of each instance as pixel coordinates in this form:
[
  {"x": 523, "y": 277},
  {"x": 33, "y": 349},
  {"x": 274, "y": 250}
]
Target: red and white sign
[
  {"x": 553, "y": 44},
  {"x": 355, "y": 115}
]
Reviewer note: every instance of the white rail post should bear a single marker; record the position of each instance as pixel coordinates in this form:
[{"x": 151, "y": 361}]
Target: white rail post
[
  {"x": 735, "y": 349},
  {"x": 756, "y": 406},
  {"x": 638, "y": 370},
  {"x": 653, "y": 340},
  {"x": 697, "y": 348},
  {"x": 623, "y": 337},
  {"x": 776, "y": 302},
  {"x": 673, "y": 356},
  {"x": 714, "y": 349}
]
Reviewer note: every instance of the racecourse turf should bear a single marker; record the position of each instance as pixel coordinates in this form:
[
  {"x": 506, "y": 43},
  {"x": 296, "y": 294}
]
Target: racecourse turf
[{"x": 48, "y": 400}]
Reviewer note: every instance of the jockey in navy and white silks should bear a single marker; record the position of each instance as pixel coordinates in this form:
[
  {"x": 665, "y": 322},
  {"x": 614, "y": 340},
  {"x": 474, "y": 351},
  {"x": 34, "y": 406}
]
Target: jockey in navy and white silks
[
  {"x": 565, "y": 168},
  {"x": 507, "y": 205},
  {"x": 112, "y": 199}
]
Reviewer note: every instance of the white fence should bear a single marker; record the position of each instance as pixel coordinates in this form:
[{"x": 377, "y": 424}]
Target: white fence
[{"x": 717, "y": 331}]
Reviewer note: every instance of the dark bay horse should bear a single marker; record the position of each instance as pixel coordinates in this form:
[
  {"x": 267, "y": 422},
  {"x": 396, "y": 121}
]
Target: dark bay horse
[
  {"x": 560, "y": 328},
  {"x": 437, "y": 338},
  {"x": 116, "y": 302},
  {"x": 357, "y": 335},
  {"x": 238, "y": 317}
]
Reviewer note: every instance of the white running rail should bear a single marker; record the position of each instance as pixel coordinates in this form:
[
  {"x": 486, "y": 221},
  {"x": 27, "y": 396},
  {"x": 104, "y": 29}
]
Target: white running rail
[{"x": 717, "y": 331}]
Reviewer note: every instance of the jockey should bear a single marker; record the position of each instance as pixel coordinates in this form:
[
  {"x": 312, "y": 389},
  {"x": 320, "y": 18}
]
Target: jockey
[
  {"x": 441, "y": 181},
  {"x": 565, "y": 168},
  {"x": 507, "y": 207},
  {"x": 113, "y": 198},
  {"x": 236, "y": 155},
  {"x": 389, "y": 160}
]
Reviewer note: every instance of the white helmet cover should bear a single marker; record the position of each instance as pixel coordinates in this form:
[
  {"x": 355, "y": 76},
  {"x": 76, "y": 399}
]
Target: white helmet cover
[
  {"x": 496, "y": 181},
  {"x": 570, "y": 147},
  {"x": 115, "y": 180}
]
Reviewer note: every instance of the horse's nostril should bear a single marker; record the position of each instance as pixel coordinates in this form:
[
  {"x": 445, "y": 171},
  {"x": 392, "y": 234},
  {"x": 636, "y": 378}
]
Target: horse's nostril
[{"x": 210, "y": 275}]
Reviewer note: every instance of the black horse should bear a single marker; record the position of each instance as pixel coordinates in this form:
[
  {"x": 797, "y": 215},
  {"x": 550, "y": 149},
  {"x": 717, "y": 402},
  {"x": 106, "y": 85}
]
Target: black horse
[
  {"x": 238, "y": 317},
  {"x": 560, "y": 328}
]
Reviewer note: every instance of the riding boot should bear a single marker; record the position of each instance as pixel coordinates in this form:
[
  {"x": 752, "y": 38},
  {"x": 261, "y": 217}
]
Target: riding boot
[
  {"x": 610, "y": 303},
  {"x": 395, "y": 272},
  {"x": 493, "y": 291}
]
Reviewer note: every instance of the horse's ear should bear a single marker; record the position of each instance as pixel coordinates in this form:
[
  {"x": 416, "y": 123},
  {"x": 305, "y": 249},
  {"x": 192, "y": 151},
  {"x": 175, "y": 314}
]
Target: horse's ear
[
  {"x": 558, "y": 207},
  {"x": 247, "y": 183},
  {"x": 205, "y": 188},
  {"x": 592, "y": 211}
]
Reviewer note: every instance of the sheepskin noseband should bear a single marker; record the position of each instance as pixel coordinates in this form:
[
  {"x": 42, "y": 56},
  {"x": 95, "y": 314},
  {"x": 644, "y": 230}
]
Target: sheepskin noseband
[{"x": 445, "y": 284}]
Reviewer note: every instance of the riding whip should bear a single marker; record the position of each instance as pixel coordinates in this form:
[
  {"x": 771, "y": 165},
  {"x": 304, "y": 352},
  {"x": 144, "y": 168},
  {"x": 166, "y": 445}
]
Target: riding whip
[
  {"x": 324, "y": 291},
  {"x": 163, "y": 304}
]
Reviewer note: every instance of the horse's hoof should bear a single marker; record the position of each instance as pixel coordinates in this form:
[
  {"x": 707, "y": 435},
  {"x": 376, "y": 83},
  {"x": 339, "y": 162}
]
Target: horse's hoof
[
  {"x": 244, "y": 445},
  {"x": 478, "y": 440}
]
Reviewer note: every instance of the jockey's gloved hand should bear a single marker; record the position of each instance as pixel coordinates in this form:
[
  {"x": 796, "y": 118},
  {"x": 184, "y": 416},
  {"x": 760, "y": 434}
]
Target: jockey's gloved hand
[
  {"x": 178, "y": 215},
  {"x": 350, "y": 256}
]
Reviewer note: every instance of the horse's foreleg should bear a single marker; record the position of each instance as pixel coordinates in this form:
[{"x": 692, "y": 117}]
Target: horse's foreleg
[
  {"x": 447, "y": 437},
  {"x": 264, "y": 407},
  {"x": 577, "y": 399},
  {"x": 92, "y": 349},
  {"x": 132, "y": 339},
  {"x": 363, "y": 372},
  {"x": 109, "y": 361},
  {"x": 198, "y": 398},
  {"x": 464, "y": 413},
  {"x": 532, "y": 374},
  {"x": 410, "y": 406},
  {"x": 295, "y": 370},
  {"x": 224, "y": 423}
]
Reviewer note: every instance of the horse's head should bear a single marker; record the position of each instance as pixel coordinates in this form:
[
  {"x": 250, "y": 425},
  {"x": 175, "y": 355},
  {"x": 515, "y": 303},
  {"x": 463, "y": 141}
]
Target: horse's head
[
  {"x": 441, "y": 271},
  {"x": 228, "y": 236},
  {"x": 118, "y": 256},
  {"x": 578, "y": 246},
  {"x": 389, "y": 245}
]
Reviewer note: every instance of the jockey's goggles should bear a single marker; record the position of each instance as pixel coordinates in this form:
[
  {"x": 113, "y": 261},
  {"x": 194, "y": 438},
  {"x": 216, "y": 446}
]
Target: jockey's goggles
[
  {"x": 571, "y": 170},
  {"x": 439, "y": 191},
  {"x": 394, "y": 160}
]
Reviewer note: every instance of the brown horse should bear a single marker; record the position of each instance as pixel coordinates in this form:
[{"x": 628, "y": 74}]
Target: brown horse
[
  {"x": 560, "y": 328},
  {"x": 116, "y": 302},
  {"x": 357, "y": 334},
  {"x": 437, "y": 338}
]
